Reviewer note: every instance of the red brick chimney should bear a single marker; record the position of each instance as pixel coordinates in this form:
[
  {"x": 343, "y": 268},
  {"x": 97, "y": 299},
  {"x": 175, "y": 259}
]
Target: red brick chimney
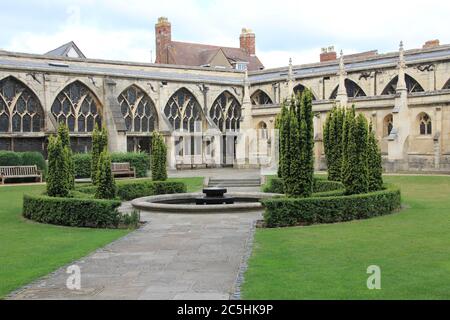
[
  {"x": 163, "y": 37},
  {"x": 431, "y": 44},
  {"x": 247, "y": 41},
  {"x": 328, "y": 54}
]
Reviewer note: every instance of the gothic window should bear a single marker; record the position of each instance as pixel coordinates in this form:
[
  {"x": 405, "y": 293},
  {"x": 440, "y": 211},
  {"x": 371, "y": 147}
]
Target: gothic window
[
  {"x": 183, "y": 111},
  {"x": 138, "y": 110},
  {"x": 447, "y": 85},
  {"x": 262, "y": 130},
  {"x": 77, "y": 107},
  {"x": 352, "y": 88},
  {"x": 424, "y": 124},
  {"x": 298, "y": 89},
  {"x": 411, "y": 84},
  {"x": 388, "y": 124},
  {"x": 226, "y": 112},
  {"x": 20, "y": 109},
  {"x": 259, "y": 97}
]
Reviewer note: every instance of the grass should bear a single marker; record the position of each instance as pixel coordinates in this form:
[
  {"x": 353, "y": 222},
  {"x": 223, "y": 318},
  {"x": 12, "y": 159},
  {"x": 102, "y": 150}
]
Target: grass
[
  {"x": 30, "y": 250},
  {"x": 411, "y": 247}
]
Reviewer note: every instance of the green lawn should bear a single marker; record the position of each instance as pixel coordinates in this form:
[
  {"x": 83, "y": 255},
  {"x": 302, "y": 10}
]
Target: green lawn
[
  {"x": 30, "y": 250},
  {"x": 411, "y": 247}
]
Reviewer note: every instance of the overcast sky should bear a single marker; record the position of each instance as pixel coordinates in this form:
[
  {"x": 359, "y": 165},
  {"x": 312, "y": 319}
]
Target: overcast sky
[{"x": 124, "y": 30}]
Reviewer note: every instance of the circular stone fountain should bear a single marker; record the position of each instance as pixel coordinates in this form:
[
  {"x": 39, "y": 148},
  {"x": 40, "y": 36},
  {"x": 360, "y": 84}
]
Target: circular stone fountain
[{"x": 212, "y": 200}]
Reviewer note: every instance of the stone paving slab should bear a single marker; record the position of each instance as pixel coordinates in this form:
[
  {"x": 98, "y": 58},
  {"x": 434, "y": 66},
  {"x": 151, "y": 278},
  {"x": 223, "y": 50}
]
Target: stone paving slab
[{"x": 173, "y": 256}]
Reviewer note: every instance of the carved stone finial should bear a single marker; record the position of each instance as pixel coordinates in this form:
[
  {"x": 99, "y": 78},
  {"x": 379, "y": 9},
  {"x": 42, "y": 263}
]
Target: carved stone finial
[{"x": 290, "y": 61}]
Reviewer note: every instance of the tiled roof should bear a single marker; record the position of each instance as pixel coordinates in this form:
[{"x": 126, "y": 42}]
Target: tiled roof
[{"x": 194, "y": 54}]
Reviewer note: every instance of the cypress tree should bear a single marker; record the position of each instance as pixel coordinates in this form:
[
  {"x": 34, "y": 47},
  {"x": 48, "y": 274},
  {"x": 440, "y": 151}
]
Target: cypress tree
[
  {"x": 286, "y": 154},
  {"x": 57, "y": 185},
  {"x": 281, "y": 137},
  {"x": 99, "y": 143},
  {"x": 356, "y": 174},
  {"x": 106, "y": 188},
  {"x": 63, "y": 134},
  {"x": 292, "y": 182},
  {"x": 349, "y": 117},
  {"x": 159, "y": 157},
  {"x": 306, "y": 144},
  {"x": 374, "y": 162}
]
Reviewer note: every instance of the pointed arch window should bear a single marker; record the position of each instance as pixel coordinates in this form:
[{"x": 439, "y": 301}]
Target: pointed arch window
[
  {"x": 447, "y": 85},
  {"x": 226, "y": 112},
  {"x": 77, "y": 107},
  {"x": 300, "y": 88},
  {"x": 20, "y": 109},
  {"x": 138, "y": 110},
  {"x": 388, "y": 124},
  {"x": 259, "y": 97},
  {"x": 411, "y": 85},
  {"x": 425, "y": 126},
  {"x": 352, "y": 88},
  {"x": 184, "y": 112}
]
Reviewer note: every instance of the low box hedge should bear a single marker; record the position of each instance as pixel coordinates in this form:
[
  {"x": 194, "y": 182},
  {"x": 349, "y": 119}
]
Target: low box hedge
[
  {"x": 275, "y": 185},
  {"x": 10, "y": 158},
  {"x": 139, "y": 161},
  {"x": 73, "y": 212},
  {"x": 137, "y": 189},
  {"x": 282, "y": 212}
]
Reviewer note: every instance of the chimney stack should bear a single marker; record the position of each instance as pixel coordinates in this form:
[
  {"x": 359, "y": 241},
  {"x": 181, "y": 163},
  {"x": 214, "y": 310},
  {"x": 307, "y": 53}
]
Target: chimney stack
[
  {"x": 328, "y": 54},
  {"x": 163, "y": 37},
  {"x": 247, "y": 41},
  {"x": 431, "y": 44}
]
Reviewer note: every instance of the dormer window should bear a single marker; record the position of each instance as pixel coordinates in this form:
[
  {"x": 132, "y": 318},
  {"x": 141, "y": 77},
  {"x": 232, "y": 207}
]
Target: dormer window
[{"x": 241, "y": 66}]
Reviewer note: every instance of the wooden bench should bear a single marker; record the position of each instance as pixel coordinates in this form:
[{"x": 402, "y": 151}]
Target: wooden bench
[
  {"x": 122, "y": 169},
  {"x": 20, "y": 172}
]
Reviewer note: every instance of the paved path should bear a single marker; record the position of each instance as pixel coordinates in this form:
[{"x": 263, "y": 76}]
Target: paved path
[{"x": 174, "y": 256}]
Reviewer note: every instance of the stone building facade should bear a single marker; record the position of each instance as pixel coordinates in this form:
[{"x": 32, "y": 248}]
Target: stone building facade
[{"x": 203, "y": 112}]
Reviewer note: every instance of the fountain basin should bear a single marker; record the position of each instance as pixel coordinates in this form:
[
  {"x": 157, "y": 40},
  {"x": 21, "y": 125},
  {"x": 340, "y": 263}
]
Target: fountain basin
[{"x": 185, "y": 203}]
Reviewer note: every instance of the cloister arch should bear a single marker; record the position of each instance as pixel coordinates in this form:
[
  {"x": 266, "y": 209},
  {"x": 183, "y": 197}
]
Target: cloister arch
[
  {"x": 138, "y": 110},
  {"x": 20, "y": 108},
  {"x": 78, "y": 107},
  {"x": 411, "y": 84},
  {"x": 183, "y": 111},
  {"x": 259, "y": 97},
  {"x": 300, "y": 88},
  {"x": 352, "y": 88},
  {"x": 225, "y": 112}
]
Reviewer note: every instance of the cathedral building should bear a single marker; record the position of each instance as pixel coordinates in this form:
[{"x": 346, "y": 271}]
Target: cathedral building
[{"x": 205, "y": 99}]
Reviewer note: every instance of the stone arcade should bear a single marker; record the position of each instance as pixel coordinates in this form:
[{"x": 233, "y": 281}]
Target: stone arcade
[{"x": 200, "y": 109}]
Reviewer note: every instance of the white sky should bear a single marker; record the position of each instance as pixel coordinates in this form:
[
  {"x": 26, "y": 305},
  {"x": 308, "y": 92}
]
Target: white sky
[{"x": 124, "y": 30}]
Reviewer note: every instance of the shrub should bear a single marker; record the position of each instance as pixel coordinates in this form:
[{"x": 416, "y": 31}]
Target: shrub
[
  {"x": 281, "y": 212},
  {"x": 332, "y": 140},
  {"x": 356, "y": 177},
  {"x": 131, "y": 220},
  {"x": 159, "y": 157},
  {"x": 106, "y": 188},
  {"x": 374, "y": 162},
  {"x": 72, "y": 212},
  {"x": 275, "y": 185},
  {"x": 63, "y": 135},
  {"x": 138, "y": 189},
  {"x": 33, "y": 158},
  {"x": 10, "y": 158},
  {"x": 82, "y": 165},
  {"x": 57, "y": 185},
  {"x": 139, "y": 161}
]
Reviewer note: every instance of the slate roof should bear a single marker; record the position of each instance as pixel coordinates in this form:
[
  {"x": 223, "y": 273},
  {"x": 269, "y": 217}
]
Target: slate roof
[
  {"x": 195, "y": 54},
  {"x": 63, "y": 51}
]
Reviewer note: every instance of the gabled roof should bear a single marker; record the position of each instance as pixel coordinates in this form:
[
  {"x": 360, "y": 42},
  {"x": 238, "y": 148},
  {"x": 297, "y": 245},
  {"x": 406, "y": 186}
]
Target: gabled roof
[
  {"x": 194, "y": 54},
  {"x": 69, "y": 50}
]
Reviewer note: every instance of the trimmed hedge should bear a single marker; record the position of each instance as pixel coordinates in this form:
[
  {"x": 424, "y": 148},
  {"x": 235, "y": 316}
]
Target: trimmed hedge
[
  {"x": 10, "y": 158},
  {"x": 73, "y": 212},
  {"x": 275, "y": 185},
  {"x": 282, "y": 212},
  {"x": 140, "y": 161},
  {"x": 138, "y": 189}
]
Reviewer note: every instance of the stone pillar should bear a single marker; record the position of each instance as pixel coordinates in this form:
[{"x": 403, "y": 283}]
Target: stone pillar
[
  {"x": 401, "y": 130},
  {"x": 113, "y": 119},
  {"x": 342, "y": 90},
  {"x": 246, "y": 124},
  {"x": 290, "y": 80}
]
